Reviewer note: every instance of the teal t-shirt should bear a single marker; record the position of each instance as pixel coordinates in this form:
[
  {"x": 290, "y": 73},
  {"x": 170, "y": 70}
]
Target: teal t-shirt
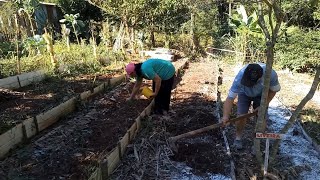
[{"x": 164, "y": 69}]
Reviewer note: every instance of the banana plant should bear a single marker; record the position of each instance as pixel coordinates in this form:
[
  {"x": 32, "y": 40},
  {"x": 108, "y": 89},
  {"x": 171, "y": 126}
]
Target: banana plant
[
  {"x": 71, "y": 20},
  {"x": 246, "y": 28},
  {"x": 241, "y": 23}
]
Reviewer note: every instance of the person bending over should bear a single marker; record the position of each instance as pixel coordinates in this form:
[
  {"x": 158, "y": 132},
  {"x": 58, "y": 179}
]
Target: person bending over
[
  {"x": 161, "y": 72},
  {"x": 248, "y": 86}
]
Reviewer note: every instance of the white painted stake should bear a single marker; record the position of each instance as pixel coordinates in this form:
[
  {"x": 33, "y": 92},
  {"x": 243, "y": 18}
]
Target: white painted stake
[{"x": 266, "y": 158}]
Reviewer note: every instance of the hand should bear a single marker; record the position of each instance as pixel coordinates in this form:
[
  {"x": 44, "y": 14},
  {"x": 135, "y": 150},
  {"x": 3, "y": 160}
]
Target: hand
[
  {"x": 129, "y": 99},
  {"x": 256, "y": 109},
  {"x": 153, "y": 95},
  {"x": 225, "y": 121}
]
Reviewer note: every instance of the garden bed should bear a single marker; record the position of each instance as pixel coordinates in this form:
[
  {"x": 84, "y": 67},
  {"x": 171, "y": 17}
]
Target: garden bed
[
  {"x": 72, "y": 149},
  {"x": 201, "y": 156},
  {"x": 27, "y": 102}
]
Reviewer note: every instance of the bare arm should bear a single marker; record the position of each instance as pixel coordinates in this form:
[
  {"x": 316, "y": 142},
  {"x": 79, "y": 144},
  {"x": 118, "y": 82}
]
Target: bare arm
[
  {"x": 271, "y": 95},
  {"x": 136, "y": 88},
  {"x": 227, "y": 106},
  {"x": 157, "y": 81}
]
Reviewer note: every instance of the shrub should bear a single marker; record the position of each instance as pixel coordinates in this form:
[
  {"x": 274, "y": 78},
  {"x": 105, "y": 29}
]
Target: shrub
[{"x": 299, "y": 50}]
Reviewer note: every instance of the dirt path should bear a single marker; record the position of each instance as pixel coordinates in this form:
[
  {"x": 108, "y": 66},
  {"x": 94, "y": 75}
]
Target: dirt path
[{"x": 199, "y": 157}]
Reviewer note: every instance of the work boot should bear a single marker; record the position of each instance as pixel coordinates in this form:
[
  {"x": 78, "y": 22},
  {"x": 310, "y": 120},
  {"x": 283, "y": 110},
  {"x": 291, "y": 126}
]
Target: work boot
[{"x": 237, "y": 144}]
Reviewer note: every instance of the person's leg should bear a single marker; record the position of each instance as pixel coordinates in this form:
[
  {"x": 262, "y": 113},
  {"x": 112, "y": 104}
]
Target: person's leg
[
  {"x": 242, "y": 108},
  {"x": 167, "y": 88},
  {"x": 157, "y": 100}
]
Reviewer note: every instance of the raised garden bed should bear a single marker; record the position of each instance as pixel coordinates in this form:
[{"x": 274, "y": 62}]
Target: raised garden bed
[
  {"x": 29, "y": 101},
  {"x": 199, "y": 157},
  {"x": 72, "y": 149}
]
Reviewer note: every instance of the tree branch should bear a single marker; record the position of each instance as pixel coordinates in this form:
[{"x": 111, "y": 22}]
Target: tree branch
[
  {"x": 261, "y": 21},
  {"x": 99, "y": 6}
]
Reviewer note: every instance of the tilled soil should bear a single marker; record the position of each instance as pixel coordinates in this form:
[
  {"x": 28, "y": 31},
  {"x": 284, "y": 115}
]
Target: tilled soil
[
  {"x": 201, "y": 156},
  {"x": 71, "y": 149},
  {"x": 18, "y": 105}
]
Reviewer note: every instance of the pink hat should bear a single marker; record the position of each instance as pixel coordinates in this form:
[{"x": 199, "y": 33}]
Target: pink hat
[{"x": 130, "y": 68}]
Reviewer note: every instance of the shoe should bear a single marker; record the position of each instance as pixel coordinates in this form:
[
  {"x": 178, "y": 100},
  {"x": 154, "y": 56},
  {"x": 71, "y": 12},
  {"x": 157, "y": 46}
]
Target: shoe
[{"x": 237, "y": 144}]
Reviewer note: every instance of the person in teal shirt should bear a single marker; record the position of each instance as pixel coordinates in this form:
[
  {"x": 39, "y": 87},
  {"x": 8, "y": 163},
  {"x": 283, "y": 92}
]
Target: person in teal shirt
[{"x": 161, "y": 72}]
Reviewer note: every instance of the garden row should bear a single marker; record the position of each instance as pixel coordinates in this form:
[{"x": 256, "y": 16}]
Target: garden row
[{"x": 76, "y": 146}]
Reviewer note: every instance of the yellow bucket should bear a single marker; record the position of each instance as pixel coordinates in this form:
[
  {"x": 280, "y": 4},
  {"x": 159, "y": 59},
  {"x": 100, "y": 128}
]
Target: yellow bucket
[{"x": 147, "y": 92}]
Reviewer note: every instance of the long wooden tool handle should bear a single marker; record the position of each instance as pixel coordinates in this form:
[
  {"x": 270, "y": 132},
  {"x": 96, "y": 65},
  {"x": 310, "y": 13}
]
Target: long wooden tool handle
[{"x": 208, "y": 128}]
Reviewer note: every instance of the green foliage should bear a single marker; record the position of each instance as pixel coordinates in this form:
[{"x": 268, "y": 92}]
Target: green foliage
[
  {"x": 6, "y": 49},
  {"x": 302, "y": 13},
  {"x": 299, "y": 50},
  {"x": 72, "y": 22},
  {"x": 87, "y": 11},
  {"x": 248, "y": 40},
  {"x": 33, "y": 45}
]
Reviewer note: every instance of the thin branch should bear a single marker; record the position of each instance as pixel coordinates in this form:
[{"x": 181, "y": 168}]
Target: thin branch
[
  {"x": 268, "y": 3},
  {"x": 261, "y": 21},
  {"x": 94, "y": 4},
  {"x": 270, "y": 21}
]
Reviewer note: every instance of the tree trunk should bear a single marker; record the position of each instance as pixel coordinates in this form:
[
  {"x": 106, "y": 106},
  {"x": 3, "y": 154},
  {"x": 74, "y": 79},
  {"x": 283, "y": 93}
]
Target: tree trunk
[{"x": 261, "y": 122}]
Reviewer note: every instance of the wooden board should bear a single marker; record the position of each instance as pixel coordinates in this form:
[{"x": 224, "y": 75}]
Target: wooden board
[
  {"x": 10, "y": 139},
  {"x": 113, "y": 159},
  {"x": 15, "y": 82},
  {"x": 85, "y": 95},
  {"x": 48, "y": 118},
  {"x": 98, "y": 89},
  {"x": 30, "y": 127},
  {"x": 28, "y": 78},
  {"x": 133, "y": 131},
  {"x": 9, "y": 82},
  {"x": 124, "y": 143},
  {"x": 116, "y": 80}
]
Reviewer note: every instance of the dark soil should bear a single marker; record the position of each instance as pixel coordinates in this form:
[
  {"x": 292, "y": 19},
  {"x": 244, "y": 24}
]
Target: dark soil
[
  {"x": 71, "y": 149},
  {"x": 204, "y": 153},
  {"x": 18, "y": 105},
  {"x": 193, "y": 107}
]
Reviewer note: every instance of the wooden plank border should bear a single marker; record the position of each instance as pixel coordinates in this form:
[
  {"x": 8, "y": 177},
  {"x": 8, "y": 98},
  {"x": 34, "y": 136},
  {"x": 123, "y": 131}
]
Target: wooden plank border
[{"x": 18, "y": 81}]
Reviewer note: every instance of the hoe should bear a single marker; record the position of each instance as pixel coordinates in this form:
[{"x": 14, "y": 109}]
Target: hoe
[{"x": 174, "y": 139}]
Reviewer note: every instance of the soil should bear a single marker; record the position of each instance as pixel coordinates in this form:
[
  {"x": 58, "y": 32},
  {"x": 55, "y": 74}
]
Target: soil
[
  {"x": 18, "y": 105},
  {"x": 71, "y": 148},
  {"x": 193, "y": 106}
]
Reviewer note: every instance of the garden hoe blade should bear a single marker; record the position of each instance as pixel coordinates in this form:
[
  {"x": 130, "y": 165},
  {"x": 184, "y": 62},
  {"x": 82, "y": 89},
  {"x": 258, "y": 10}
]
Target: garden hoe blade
[{"x": 174, "y": 139}]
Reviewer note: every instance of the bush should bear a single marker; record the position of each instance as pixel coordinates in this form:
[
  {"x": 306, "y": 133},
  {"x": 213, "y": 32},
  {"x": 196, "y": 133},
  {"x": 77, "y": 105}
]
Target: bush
[{"x": 299, "y": 50}]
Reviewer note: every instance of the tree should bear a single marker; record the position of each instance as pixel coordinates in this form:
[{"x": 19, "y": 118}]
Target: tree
[{"x": 274, "y": 11}]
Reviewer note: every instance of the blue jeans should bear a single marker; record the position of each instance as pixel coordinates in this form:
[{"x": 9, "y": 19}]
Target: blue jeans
[{"x": 244, "y": 103}]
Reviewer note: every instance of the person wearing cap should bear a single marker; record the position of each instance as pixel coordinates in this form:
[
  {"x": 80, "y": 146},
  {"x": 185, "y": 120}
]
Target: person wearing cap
[
  {"x": 161, "y": 72},
  {"x": 248, "y": 86}
]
